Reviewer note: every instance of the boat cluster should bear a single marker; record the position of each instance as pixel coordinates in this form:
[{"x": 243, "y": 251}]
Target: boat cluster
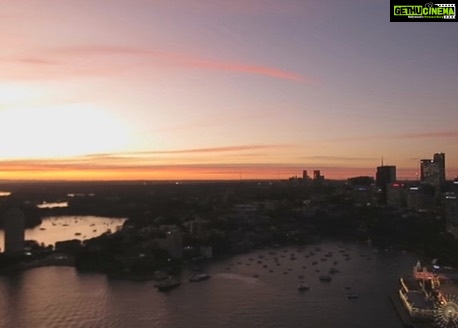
[
  {"x": 276, "y": 260},
  {"x": 170, "y": 283}
]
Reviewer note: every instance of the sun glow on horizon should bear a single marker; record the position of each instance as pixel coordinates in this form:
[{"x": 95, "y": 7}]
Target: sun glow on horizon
[{"x": 60, "y": 131}]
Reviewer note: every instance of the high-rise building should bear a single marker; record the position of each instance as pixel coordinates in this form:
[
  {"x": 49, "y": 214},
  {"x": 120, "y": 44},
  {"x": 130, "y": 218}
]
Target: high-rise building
[
  {"x": 14, "y": 232},
  {"x": 305, "y": 175},
  {"x": 432, "y": 171},
  {"x": 451, "y": 213},
  {"x": 317, "y": 176},
  {"x": 439, "y": 158},
  {"x": 385, "y": 175}
]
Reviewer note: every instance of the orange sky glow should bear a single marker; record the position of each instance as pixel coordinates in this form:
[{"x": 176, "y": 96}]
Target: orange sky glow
[{"x": 208, "y": 90}]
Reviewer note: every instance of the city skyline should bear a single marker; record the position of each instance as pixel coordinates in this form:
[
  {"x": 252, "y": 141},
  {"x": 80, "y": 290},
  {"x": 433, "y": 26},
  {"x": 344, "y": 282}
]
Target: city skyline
[{"x": 254, "y": 89}]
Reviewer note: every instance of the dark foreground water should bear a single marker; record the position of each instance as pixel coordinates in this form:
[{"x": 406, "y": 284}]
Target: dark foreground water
[{"x": 234, "y": 297}]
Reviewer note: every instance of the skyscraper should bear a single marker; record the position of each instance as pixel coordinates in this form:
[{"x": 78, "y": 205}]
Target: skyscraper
[
  {"x": 14, "y": 232},
  {"x": 305, "y": 175},
  {"x": 432, "y": 171},
  {"x": 439, "y": 158},
  {"x": 385, "y": 175}
]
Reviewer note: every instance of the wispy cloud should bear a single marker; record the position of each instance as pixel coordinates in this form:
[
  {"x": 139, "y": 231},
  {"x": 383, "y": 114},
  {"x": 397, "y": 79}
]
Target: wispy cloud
[
  {"x": 110, "y": 58},
  {"x": 213, "y": 149},
  {"x": 139, "y": 159},
  {"x": 188, "y": 60},
  {"x": 429, "y": 135},
  {"x": 238, "y": 7},
  {"x": 339, "y": 158},
  {"x": 30, "y": 60},
  {"x": 449, "y": 134}
]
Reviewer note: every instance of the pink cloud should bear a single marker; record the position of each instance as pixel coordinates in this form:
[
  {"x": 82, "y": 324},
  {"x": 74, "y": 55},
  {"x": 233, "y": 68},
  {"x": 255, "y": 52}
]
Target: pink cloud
[
  {"x": 69, "y": 58},
  {"x": 421, "y": 135},
  {"x": 250, "y": 69},
  {"x": 435, "y": 134},
  {"x": 239, "y": 7},
  {"x": 191, "y": 61},
  {"x": 214, "y": 149}
]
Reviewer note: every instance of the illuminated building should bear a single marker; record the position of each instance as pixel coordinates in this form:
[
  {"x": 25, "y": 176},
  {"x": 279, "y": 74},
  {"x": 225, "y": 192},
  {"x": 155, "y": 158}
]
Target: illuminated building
[
  {"x": 432, "y": 171},
  {"x": 14, "y": 232}
]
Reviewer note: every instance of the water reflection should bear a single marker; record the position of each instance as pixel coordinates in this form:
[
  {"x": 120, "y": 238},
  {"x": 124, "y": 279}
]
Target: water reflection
[
  {"x": 4, "y": 193},
  {"x": 58, "y": 228},
  {"x": 55, "y": 297}
]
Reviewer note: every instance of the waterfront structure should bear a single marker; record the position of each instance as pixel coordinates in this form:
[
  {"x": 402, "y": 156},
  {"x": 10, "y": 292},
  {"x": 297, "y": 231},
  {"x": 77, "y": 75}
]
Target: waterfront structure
[
  {"x": 427, "y": 298},
  {"x": 14, "y": 225},
  {"x": 432, "y": 171}
]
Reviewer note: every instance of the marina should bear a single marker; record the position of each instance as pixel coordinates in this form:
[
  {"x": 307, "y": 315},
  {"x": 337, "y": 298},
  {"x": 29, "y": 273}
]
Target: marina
[{"x": 231, "y": 298}]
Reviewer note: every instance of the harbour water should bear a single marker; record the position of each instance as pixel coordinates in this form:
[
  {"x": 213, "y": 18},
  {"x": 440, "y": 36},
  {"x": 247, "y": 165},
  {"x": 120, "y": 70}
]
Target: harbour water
[
  {"x": 59, "y": 228},
  {"x": 250, "y": 290}
]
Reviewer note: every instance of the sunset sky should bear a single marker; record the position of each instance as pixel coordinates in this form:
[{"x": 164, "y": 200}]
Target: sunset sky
[{"x": 222, "y": 89}]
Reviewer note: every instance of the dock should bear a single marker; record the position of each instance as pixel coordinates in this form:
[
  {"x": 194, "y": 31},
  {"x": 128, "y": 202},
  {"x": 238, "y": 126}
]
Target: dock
[{"x": 405, "y": 316}]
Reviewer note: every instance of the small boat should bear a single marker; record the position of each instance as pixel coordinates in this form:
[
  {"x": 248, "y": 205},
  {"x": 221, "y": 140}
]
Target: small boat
[
  {"x": 77, "y": 233},
  {"x": 325, "y": 278},
  {"x": 333, "y": 270},
  {"x": 352, "y": 296},
  {"x": 167, "y": 285},
  {"x": 199, "y": 277},
  {"x": 302, "y": 287}
]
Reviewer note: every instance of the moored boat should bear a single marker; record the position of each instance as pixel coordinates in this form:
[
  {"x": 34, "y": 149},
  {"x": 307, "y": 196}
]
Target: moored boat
[
  {"x": 199, "y": 277},
  {"x": 352, "y": 296},
  {"x": 168, "y": 284},
  {"x": 325, "y": 278}
]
